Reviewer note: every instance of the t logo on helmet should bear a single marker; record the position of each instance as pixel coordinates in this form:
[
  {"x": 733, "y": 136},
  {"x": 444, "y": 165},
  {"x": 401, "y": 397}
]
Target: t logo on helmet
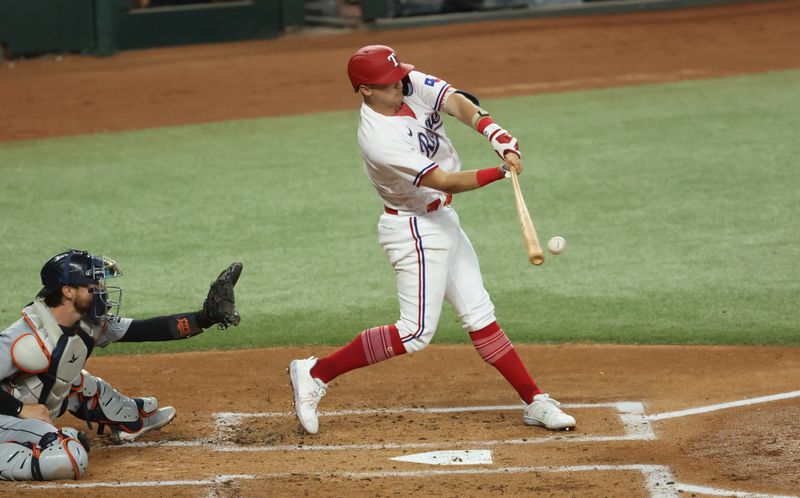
[{"x": 393, "y": 58}]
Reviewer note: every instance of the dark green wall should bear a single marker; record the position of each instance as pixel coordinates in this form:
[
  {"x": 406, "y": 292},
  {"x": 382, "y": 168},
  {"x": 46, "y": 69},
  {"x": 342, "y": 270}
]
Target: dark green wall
[
  {"x": 103, "y": 27},
  {"x": 203, "y": 23},
  {"x": 374, "y": 9},
  {"x": 32, "y": 26}
]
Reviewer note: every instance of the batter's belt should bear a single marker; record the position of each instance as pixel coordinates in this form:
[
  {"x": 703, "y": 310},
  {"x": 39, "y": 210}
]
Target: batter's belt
[{"x": 433, "y": 206}]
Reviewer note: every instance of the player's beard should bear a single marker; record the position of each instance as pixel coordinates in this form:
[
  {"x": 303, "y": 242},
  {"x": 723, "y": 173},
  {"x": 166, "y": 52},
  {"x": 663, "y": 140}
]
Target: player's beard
[{"x": 83, "y": 303}]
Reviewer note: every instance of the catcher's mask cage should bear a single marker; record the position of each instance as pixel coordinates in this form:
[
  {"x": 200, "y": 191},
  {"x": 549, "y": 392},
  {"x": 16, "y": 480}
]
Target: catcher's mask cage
[{"x": 77, "y": 268}]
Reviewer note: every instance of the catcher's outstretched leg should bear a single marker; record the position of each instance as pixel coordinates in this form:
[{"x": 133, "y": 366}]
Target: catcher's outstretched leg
[{"x": 95, "y": 400}]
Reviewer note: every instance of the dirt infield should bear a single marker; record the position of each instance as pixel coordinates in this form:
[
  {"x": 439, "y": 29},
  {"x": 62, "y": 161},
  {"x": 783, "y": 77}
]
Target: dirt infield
[
  {"x": 746, "y": 448},
  {"x": 235, "y": 435}
]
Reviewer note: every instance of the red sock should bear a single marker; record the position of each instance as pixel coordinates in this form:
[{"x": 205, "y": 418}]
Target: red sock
[
  {"x": 368, "y": 347},
  {"x": 496, "y": 349}
]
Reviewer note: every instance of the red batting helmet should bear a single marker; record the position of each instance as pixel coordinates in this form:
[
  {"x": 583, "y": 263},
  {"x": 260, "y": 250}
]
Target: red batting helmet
[{"x": 377, "y": 65}]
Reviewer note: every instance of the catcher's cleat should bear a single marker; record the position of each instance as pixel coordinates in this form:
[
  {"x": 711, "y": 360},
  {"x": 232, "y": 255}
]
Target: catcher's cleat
[
  {"x": 308, "y": 392},
  {"x": 545, "y": 412},
  {"x": 155, "y": 421}
]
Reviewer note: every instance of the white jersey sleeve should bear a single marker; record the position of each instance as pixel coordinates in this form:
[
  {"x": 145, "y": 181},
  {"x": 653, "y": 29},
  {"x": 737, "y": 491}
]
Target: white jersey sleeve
[
  {"x": 429, "y": 90},
  {"x": 111, "y": 329}
]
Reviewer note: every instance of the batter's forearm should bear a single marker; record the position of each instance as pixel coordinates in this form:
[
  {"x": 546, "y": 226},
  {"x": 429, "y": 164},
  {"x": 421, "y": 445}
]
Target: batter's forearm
[{"x": 461, "y": 181}]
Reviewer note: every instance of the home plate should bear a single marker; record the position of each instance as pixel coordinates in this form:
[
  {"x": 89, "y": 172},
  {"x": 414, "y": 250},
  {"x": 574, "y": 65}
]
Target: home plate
[{"x": 453, "y": 457}]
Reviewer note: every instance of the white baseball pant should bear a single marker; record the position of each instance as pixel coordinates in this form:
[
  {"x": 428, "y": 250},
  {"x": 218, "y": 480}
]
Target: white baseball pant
[{"x": 433, "y": 260}]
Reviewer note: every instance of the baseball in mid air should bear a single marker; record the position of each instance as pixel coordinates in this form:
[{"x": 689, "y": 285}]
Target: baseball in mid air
[{"x": 556, "y": 245}]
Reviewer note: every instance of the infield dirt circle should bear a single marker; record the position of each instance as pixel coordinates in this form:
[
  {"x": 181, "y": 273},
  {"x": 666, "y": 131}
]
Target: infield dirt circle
[{"x": 235, "y": 434}]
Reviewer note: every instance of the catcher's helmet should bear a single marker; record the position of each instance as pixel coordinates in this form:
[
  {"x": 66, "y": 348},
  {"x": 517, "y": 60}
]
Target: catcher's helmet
[
  {"x": 75, "y": 268},
  {"x": 377, "y": 65}
]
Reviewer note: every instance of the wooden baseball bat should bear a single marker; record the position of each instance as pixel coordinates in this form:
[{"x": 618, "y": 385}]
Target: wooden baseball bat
[{"x": 529, "y": 237}]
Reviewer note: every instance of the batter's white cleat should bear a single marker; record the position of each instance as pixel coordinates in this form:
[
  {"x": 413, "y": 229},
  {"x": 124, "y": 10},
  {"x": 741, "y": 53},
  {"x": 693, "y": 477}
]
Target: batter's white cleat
[
  {"x": 545, "y": 412},
  {"x": 308, "y": 392},
  {"x": 157, "y": 420}
]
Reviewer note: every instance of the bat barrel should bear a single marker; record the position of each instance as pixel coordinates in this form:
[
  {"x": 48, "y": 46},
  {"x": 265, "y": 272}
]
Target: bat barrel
[{"x": 529, "y": 237}]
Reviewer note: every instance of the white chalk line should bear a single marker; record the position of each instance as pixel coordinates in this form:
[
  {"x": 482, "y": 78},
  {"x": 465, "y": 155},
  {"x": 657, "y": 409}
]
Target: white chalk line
[
  {"x": 659, "y": 479},
  {"x": 723, "y": 406},
  {"x": 690, "y": 488},
  {"x": 148, "y": 484},
  {"x": 403, "y": 409},
  {"x": 229, "y": 420},
  {"x": 631, "y": 413},
  {"x": 234, "y": 448},
  {"x": 636, "y": 423},
  {"x": 405, "y": 446}
]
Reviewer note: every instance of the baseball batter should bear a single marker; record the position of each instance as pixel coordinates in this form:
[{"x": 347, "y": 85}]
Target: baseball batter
[
  {"x": 42, "y": 358},
  {"x": 416, "y": 170}
]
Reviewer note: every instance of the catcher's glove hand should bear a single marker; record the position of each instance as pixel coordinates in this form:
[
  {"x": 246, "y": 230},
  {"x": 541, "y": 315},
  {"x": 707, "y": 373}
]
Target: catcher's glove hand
[{"x": 220, "y": 306}]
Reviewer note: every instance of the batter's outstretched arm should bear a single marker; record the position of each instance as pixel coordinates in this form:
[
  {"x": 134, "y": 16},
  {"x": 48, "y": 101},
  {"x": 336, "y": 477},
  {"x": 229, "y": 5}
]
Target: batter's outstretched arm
[
  {"x": 478, "y": 119},
  {"x": 461, "y": 181}
]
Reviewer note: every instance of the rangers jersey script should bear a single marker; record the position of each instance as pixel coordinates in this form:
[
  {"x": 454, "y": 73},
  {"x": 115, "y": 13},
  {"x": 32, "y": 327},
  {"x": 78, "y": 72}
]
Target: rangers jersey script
[{"x": 399, "y": 150}]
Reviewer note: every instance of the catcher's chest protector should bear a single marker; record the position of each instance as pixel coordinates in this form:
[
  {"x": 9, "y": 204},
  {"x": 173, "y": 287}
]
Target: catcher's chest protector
[{"x": 49, "y": 361}]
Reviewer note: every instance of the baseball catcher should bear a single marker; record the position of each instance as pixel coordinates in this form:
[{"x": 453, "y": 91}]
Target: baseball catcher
[{"x": 42, "y": 358}]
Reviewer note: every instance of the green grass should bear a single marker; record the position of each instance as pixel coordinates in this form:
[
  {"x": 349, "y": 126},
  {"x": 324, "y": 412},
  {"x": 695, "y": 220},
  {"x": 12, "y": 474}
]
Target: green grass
[{"x": 680, "y": 204}]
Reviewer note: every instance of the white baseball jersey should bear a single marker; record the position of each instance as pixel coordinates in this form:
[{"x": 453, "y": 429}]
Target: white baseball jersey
[
  {"x": 433, "y": 259},
  {"x": 399, "y": 150}
]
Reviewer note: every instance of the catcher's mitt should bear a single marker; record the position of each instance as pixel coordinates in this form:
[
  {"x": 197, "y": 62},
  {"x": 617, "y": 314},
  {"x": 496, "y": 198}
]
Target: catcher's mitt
[{"x": 220, "y": 306}]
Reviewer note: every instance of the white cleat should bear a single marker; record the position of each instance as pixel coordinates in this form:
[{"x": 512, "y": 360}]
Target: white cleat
[
  {"x": 155, "y": 421},
  {"x": 308, "y": 392},
  {"x": 545, "y": 412}
]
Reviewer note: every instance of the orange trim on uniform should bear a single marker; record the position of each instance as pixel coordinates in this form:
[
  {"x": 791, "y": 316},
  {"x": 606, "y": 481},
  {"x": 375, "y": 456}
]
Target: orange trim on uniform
[
  {"x": 75, "y": 470},
  {"x": 20, "y": 367},
  {"x": 36, "y": 335},
  {"x": 74, "y": 388}
]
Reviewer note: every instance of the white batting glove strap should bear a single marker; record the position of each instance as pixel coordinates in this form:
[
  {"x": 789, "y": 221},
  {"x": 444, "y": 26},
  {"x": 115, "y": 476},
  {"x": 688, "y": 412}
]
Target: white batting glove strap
[{"x": 501, "y": 140}]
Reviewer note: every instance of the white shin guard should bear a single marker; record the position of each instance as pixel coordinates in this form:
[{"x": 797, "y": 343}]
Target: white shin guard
[
  {"x": 63, "y": 458},
  {"x": 107, "y": 404}
]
